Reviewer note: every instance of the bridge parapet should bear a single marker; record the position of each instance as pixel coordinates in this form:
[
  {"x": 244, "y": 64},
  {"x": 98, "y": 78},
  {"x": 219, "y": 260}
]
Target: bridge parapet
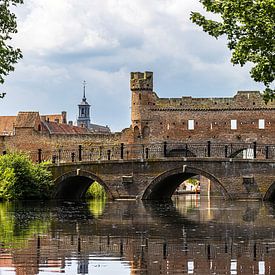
[{"x": 156, "y": 151}]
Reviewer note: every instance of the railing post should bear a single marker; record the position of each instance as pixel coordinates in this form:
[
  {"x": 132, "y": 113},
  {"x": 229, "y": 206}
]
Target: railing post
[
  {"x": 39, "y": 155},
  {"x": 186, "y": 150},
  {"x": 146, "y": 153},
  {"x": 54, "y": 159},
  {"x": 208, "y": 148},
  {"x": 255, "y": 149},
  {"x": 100, "y": 152},
  {"x": 59, "y": 155},
  {"x": 226, "y": 151},
  {"x": 266, "y": 151},
  {"x": 109, "y": 154},
  {"x": 121, "y": 150},
  {"x": 165, "y": 149},
  {"x": 80, "y": 152},
  {"x": 73, "y": 156},
  {"x": 142, "y": 157}
]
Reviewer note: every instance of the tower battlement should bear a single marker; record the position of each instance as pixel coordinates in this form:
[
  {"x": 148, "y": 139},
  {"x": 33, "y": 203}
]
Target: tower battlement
[{"x": 141, "y": 81}]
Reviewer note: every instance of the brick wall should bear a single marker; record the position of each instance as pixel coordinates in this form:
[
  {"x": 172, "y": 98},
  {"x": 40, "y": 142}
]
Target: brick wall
[{"x": 200, "y": 119}]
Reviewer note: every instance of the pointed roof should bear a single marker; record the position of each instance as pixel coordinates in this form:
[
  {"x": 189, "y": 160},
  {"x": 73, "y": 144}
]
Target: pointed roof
[
  {"x": 27, "y": 119},
  {"x": 84, "y": 100}
]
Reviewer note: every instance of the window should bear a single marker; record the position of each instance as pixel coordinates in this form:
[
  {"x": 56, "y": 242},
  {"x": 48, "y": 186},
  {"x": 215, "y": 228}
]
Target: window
[
  {"x": 233, "y": 124},
  {"x": 191, "y": 124},
  {"x": 261, "y": 123}
]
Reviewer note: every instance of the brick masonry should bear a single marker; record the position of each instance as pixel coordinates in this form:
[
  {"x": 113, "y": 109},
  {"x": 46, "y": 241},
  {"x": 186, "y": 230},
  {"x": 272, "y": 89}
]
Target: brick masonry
[
  {"x": 199, "y": 119},
  {"x": 155, "y": 119}
]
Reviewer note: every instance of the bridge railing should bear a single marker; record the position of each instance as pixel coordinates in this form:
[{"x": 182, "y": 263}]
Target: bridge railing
[{"x": 155, "y": 151}]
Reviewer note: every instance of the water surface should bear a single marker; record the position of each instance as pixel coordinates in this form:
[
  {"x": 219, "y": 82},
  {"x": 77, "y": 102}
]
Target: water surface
[{"x": 190, "y": 235}]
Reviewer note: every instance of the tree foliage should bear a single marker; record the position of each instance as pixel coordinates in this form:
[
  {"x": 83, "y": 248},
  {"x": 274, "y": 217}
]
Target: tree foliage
[
  {"x": 8, "y": 26},
  {"x": 250, "y": 29},
  {"x": 96, "y": 191},
  {"x": 22, "y": 179}
]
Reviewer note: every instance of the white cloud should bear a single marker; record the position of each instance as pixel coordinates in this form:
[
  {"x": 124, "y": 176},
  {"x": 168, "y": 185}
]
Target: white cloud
[{"x": 67, "y": 41}]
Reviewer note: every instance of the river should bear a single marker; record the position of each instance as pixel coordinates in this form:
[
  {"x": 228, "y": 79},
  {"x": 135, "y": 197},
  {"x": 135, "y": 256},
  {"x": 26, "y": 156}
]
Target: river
[{"x": 190, "y": 235}]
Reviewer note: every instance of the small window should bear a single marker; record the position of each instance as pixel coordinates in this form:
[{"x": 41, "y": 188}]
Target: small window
[
  {"x": 261, "y": 123},
  {"x": 233, "y": 124},
  {"x": 191, "y": 124}
]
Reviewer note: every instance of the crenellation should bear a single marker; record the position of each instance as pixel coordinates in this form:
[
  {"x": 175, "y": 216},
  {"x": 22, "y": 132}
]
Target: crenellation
[{"x": 141, "y": 81}]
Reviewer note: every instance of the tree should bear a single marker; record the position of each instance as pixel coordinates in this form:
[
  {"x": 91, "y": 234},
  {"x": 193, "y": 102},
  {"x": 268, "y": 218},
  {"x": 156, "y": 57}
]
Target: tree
[
  {"x": 8, "y": 55},
  {"x": 22, "y": 179},
  {"x": 250, "y": 29}
]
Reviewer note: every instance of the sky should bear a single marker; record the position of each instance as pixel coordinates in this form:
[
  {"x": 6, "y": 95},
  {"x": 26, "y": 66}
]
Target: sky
[{"x": 65, "y": 42}]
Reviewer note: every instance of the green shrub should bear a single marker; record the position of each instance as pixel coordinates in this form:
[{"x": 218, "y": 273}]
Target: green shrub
[
  {"x": 96, "y": 191},
  {"x": 22, "y": 179}
]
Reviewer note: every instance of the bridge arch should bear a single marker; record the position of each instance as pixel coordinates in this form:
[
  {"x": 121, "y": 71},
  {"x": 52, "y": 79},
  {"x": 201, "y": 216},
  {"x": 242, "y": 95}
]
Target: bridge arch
[
  {"x": 74, "y": 184},
  {"x": 270, "y": 193},
  {"x": 164, "y": 185}
]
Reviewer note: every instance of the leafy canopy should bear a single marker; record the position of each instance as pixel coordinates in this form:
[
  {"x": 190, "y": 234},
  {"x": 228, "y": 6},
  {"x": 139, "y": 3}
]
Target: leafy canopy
[
  {"x": 8, "y": 55},
  {"x": 250, "y": 29},
  {"x": 22, "y": 179}
]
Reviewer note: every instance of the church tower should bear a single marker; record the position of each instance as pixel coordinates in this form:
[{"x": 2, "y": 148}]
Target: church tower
[{"x": 84, "y": 111}]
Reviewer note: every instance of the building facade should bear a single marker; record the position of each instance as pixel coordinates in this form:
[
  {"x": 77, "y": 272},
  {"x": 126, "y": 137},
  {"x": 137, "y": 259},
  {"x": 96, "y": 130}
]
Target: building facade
[{"x": 242, "y": 118}]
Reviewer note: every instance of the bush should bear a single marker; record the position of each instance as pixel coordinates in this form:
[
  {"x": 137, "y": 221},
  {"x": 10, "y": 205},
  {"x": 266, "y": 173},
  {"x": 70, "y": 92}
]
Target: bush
[
  {"x": 22, "y": 179},
  {"x": 96, "y": 191}
]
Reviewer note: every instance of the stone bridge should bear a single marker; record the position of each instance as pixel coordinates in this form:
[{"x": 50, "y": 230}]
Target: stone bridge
[{"x": 157, "y": 179}]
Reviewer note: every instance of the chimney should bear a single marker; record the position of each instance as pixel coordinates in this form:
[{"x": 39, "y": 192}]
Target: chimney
[
  {"x": 64, "y": 117},
  {"x": 70, "y": 123}
]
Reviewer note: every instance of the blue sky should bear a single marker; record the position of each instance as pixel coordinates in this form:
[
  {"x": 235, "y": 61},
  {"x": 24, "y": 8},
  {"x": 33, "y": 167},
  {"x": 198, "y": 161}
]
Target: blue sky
[{"x": 67, "y": 41}]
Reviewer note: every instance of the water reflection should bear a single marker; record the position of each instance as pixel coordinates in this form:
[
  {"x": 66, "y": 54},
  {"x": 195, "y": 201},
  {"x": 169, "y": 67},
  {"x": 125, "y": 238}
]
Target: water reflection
[{"x": 192, "y": 235}]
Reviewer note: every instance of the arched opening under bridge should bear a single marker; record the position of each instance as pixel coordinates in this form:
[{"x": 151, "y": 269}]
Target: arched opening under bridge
[
  {"x": 74, "y": 185},
  {"x": 165, "y": 185},
  {"x": 270, "y": 194}
]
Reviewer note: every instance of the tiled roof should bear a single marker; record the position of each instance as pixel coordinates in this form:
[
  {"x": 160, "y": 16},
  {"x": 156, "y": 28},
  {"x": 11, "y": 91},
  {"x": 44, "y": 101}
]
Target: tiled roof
[
  {"x": 57, "y": 128},
  {"x": 7, "y": 124},
  {"x": 26, "y": 119},
  {"x": 99, "y": 128}
]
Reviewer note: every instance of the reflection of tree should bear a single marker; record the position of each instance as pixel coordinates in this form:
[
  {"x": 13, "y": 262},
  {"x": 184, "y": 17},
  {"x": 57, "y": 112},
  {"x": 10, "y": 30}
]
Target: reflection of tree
[
  {"x": 18, "y": 223},
  {"x": 97, "y": 207}
]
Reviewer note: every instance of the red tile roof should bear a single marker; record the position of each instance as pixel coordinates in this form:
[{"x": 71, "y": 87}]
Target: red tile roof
[
  {"x": 7, "y": 124},
  {"x": 57, "y": 128},
  {"x": 26, "y": 119}
]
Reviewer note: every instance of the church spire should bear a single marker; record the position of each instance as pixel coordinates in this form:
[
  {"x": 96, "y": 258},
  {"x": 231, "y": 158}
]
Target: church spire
[
  {"x": 84, "y": 110},
  {"x": 84, "y": 90}
]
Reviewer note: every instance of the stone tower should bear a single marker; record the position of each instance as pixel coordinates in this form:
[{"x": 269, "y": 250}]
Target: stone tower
[
  {"x": 143, "y": 98},
  {"x": 84, "y": 111}
]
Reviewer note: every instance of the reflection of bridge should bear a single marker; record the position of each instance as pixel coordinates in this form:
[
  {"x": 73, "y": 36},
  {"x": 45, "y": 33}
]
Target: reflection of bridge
[
  {"x": 156, "y": 170},
  {"x": 152, "y": 243}
]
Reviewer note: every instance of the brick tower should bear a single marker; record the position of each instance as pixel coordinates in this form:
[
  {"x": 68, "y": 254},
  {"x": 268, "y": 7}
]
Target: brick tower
[{"x": 143, "y": 97}]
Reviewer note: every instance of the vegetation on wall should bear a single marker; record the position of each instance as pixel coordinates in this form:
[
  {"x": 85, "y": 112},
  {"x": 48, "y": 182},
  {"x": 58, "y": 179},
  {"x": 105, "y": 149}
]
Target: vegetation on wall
[{"x": 22, "y": 179}]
